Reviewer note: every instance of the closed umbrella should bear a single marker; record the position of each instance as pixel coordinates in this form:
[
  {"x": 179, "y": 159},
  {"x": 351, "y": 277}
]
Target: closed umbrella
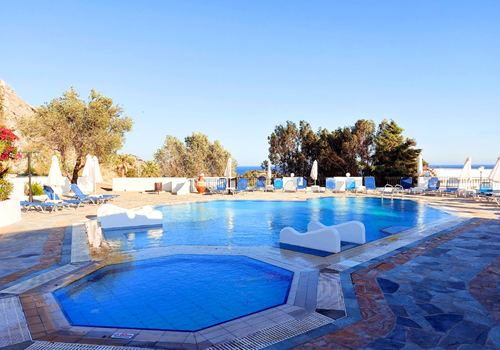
[
  {"x": 95, "y": 173},
  {"x": 87, "y": 166},
  {"x": 84, "y": 181},
  {"x": 55, "y": 176},
  {"x": 465, "y": 174},
  {"x": 228, "y": 170},
  {"x": 495, "y": 173},
  {"x": 269, "y": 174},
  {"x": 314, "y": 171},
  {"x": 420, "y": 166}
]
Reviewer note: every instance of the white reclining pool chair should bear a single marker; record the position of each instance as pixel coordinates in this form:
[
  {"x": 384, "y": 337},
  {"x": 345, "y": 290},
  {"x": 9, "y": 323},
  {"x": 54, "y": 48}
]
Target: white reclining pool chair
[
  {"x": 289, "y": 186},
  {"x": 324, "y": 238}
]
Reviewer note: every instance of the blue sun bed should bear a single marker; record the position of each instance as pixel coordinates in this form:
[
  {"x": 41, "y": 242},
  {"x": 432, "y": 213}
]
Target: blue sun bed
[
  {"x": 242, "y": 185},
  {"x": 51, "y": 207},
  {"x": 93, "y": 199},
  {"x": 369, "y": 185},
  {"x": 221, "y": 186},
  {"x": 278, "y": 184},
  {"x": 432, "y": 186},
  {"x": 451, "y": 187},
  {"x": 406, "y": 183},
  {"x": 485, "y": 192},
  {"x": 54, "y": 197},
  {"x": 301, "y": 183}
]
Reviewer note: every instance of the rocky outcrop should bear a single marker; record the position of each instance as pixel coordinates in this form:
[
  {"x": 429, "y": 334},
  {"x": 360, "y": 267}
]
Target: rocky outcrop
[{"x": 14, "y": 108}]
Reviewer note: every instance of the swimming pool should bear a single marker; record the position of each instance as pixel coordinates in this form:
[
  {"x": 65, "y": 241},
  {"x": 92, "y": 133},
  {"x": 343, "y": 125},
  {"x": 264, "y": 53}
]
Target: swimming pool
[
  {"x": 249, "y": 223},
  {"x": 178, "y": 292}
]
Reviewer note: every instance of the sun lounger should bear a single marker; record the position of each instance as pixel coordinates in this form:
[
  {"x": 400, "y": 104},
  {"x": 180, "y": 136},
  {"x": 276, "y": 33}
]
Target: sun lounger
[
  {"x": 301, "y": 184},
  {"x": 242, "y": 185},
  {"x": 289, "y": 186},
  {"x": 261, "y": 183},
  {"x": 451, "y": 187},
  {"x": 432, "y": 186},
  {"x": 278, "y": 184},
  {"x": 350, "y": 185},
  {"x": 27, "y": 206},
  {"x": 485, "y": 192},
  {"x": 333, "y": 185},
  {"x": 406, "y": 183},
  {"x": 55, "y": 198},
  {"x": 50, "y": 207},
  {"x": 93, "y": 199},
  {"x": 369, "y": 185},
  {"x": 221, "y": 186}
]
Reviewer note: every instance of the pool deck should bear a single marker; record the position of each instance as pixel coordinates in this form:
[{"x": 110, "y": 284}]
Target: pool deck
[{"x": 435, "y": 286}]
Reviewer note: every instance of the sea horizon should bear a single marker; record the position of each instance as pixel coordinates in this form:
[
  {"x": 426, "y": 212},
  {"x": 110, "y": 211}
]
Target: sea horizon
[{"x": 240, "y": 170}]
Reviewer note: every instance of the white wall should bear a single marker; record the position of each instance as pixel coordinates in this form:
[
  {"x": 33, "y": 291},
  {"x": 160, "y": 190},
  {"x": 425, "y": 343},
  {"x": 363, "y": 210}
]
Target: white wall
[
  {"x": 19, "y": 182},
  {"x": 140, "y": 184},
  {"x": 456, "y": 172},
  {"x": 10, "y": 212}
]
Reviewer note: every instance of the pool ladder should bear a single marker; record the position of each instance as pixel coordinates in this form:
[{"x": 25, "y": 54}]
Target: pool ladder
[{"x": 394, "y": 190}]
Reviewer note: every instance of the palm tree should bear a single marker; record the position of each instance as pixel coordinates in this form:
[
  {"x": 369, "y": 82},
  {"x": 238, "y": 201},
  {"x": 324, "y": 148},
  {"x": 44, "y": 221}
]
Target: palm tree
[
  {"x": 123, "y": 162},
  {"x": 150, "y": 169}
]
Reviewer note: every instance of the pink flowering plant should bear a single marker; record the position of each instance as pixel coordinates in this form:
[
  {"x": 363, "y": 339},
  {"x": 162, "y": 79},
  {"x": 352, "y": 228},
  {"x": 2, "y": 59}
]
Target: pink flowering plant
[{"x": 8, "y": 150}]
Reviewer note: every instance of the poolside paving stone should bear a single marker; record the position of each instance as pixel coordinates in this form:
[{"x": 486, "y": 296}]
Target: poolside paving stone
[{"x": 440, "y": 310}]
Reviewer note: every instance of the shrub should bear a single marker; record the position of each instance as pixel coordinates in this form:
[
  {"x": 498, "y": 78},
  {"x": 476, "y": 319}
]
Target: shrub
[
  {"x": 131, "y": 172},
  {"x": 6, "y": 188},
  {"x": 7, "y": 149},
  {"x": 36, "y": 189},
  {"x": 26, "y": 173}
]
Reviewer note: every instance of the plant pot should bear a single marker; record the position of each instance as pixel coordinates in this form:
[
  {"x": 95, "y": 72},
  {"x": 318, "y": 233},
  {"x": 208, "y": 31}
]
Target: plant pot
[{"x": 201, "y": 185}]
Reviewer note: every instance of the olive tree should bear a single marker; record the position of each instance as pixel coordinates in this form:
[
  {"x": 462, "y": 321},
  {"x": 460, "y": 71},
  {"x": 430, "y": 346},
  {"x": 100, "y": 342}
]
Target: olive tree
[
  {"x": 192, "y": 157},
  {"x": 74, "y": 128}
]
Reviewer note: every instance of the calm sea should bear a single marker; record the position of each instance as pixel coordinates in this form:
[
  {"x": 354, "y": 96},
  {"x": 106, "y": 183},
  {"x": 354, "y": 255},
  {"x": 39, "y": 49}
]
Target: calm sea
[
  {"x": 474, "y": 166},
  {"x": 241, "y": 169}
]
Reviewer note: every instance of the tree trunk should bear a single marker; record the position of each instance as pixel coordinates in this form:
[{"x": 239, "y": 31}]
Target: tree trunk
[{"x": 76, "y": 169}]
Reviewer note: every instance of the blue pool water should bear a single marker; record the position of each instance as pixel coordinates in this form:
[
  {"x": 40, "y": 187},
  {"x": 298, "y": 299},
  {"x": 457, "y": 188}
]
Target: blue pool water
[
  {"x": 175, "y": 293},
  {"x": 248, "y": 223}
]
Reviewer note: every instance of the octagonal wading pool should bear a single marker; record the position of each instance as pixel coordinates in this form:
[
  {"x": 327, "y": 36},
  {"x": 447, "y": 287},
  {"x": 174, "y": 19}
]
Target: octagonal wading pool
[{"x": 179, "y": 292}]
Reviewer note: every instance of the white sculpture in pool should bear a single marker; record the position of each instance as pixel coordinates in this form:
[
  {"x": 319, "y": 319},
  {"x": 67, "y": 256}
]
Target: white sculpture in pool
[
  {"x": 111, "y": 216},
  {"x": 325, "y": 238}
]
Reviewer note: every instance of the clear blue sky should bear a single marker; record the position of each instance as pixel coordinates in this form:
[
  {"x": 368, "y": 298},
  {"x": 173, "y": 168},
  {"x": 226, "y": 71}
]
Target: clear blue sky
[{"x": 235, "y": 69}]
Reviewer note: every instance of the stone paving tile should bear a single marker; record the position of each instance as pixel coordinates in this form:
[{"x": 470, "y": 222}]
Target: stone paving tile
[{"x": 426, "y": 298}]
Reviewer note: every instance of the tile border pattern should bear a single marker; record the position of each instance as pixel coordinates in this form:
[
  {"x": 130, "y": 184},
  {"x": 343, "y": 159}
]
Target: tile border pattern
[{"x": 12, "y": 322}]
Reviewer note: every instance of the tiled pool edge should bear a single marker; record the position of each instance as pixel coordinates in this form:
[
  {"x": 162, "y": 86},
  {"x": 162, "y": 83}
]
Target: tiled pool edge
[{"x": 354, "y": 307}]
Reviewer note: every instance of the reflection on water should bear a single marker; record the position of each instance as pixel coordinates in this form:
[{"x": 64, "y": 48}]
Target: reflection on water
[{"x": 247, "y": 223}]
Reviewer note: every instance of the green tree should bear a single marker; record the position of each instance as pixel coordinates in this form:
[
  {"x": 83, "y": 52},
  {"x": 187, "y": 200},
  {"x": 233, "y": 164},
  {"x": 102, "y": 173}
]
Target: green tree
[
  {"x": 150, "y": 169},
  {"x": 132, "y": 173},
  {"x": 192, "y": 157},
  {"x": 74, "y": 128},
  {"x": 347, "y": 149},
  {"x": 394, "y": 155},
  {"x": 292, "y": 148},
  {"x": 122, "y": 164}
]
